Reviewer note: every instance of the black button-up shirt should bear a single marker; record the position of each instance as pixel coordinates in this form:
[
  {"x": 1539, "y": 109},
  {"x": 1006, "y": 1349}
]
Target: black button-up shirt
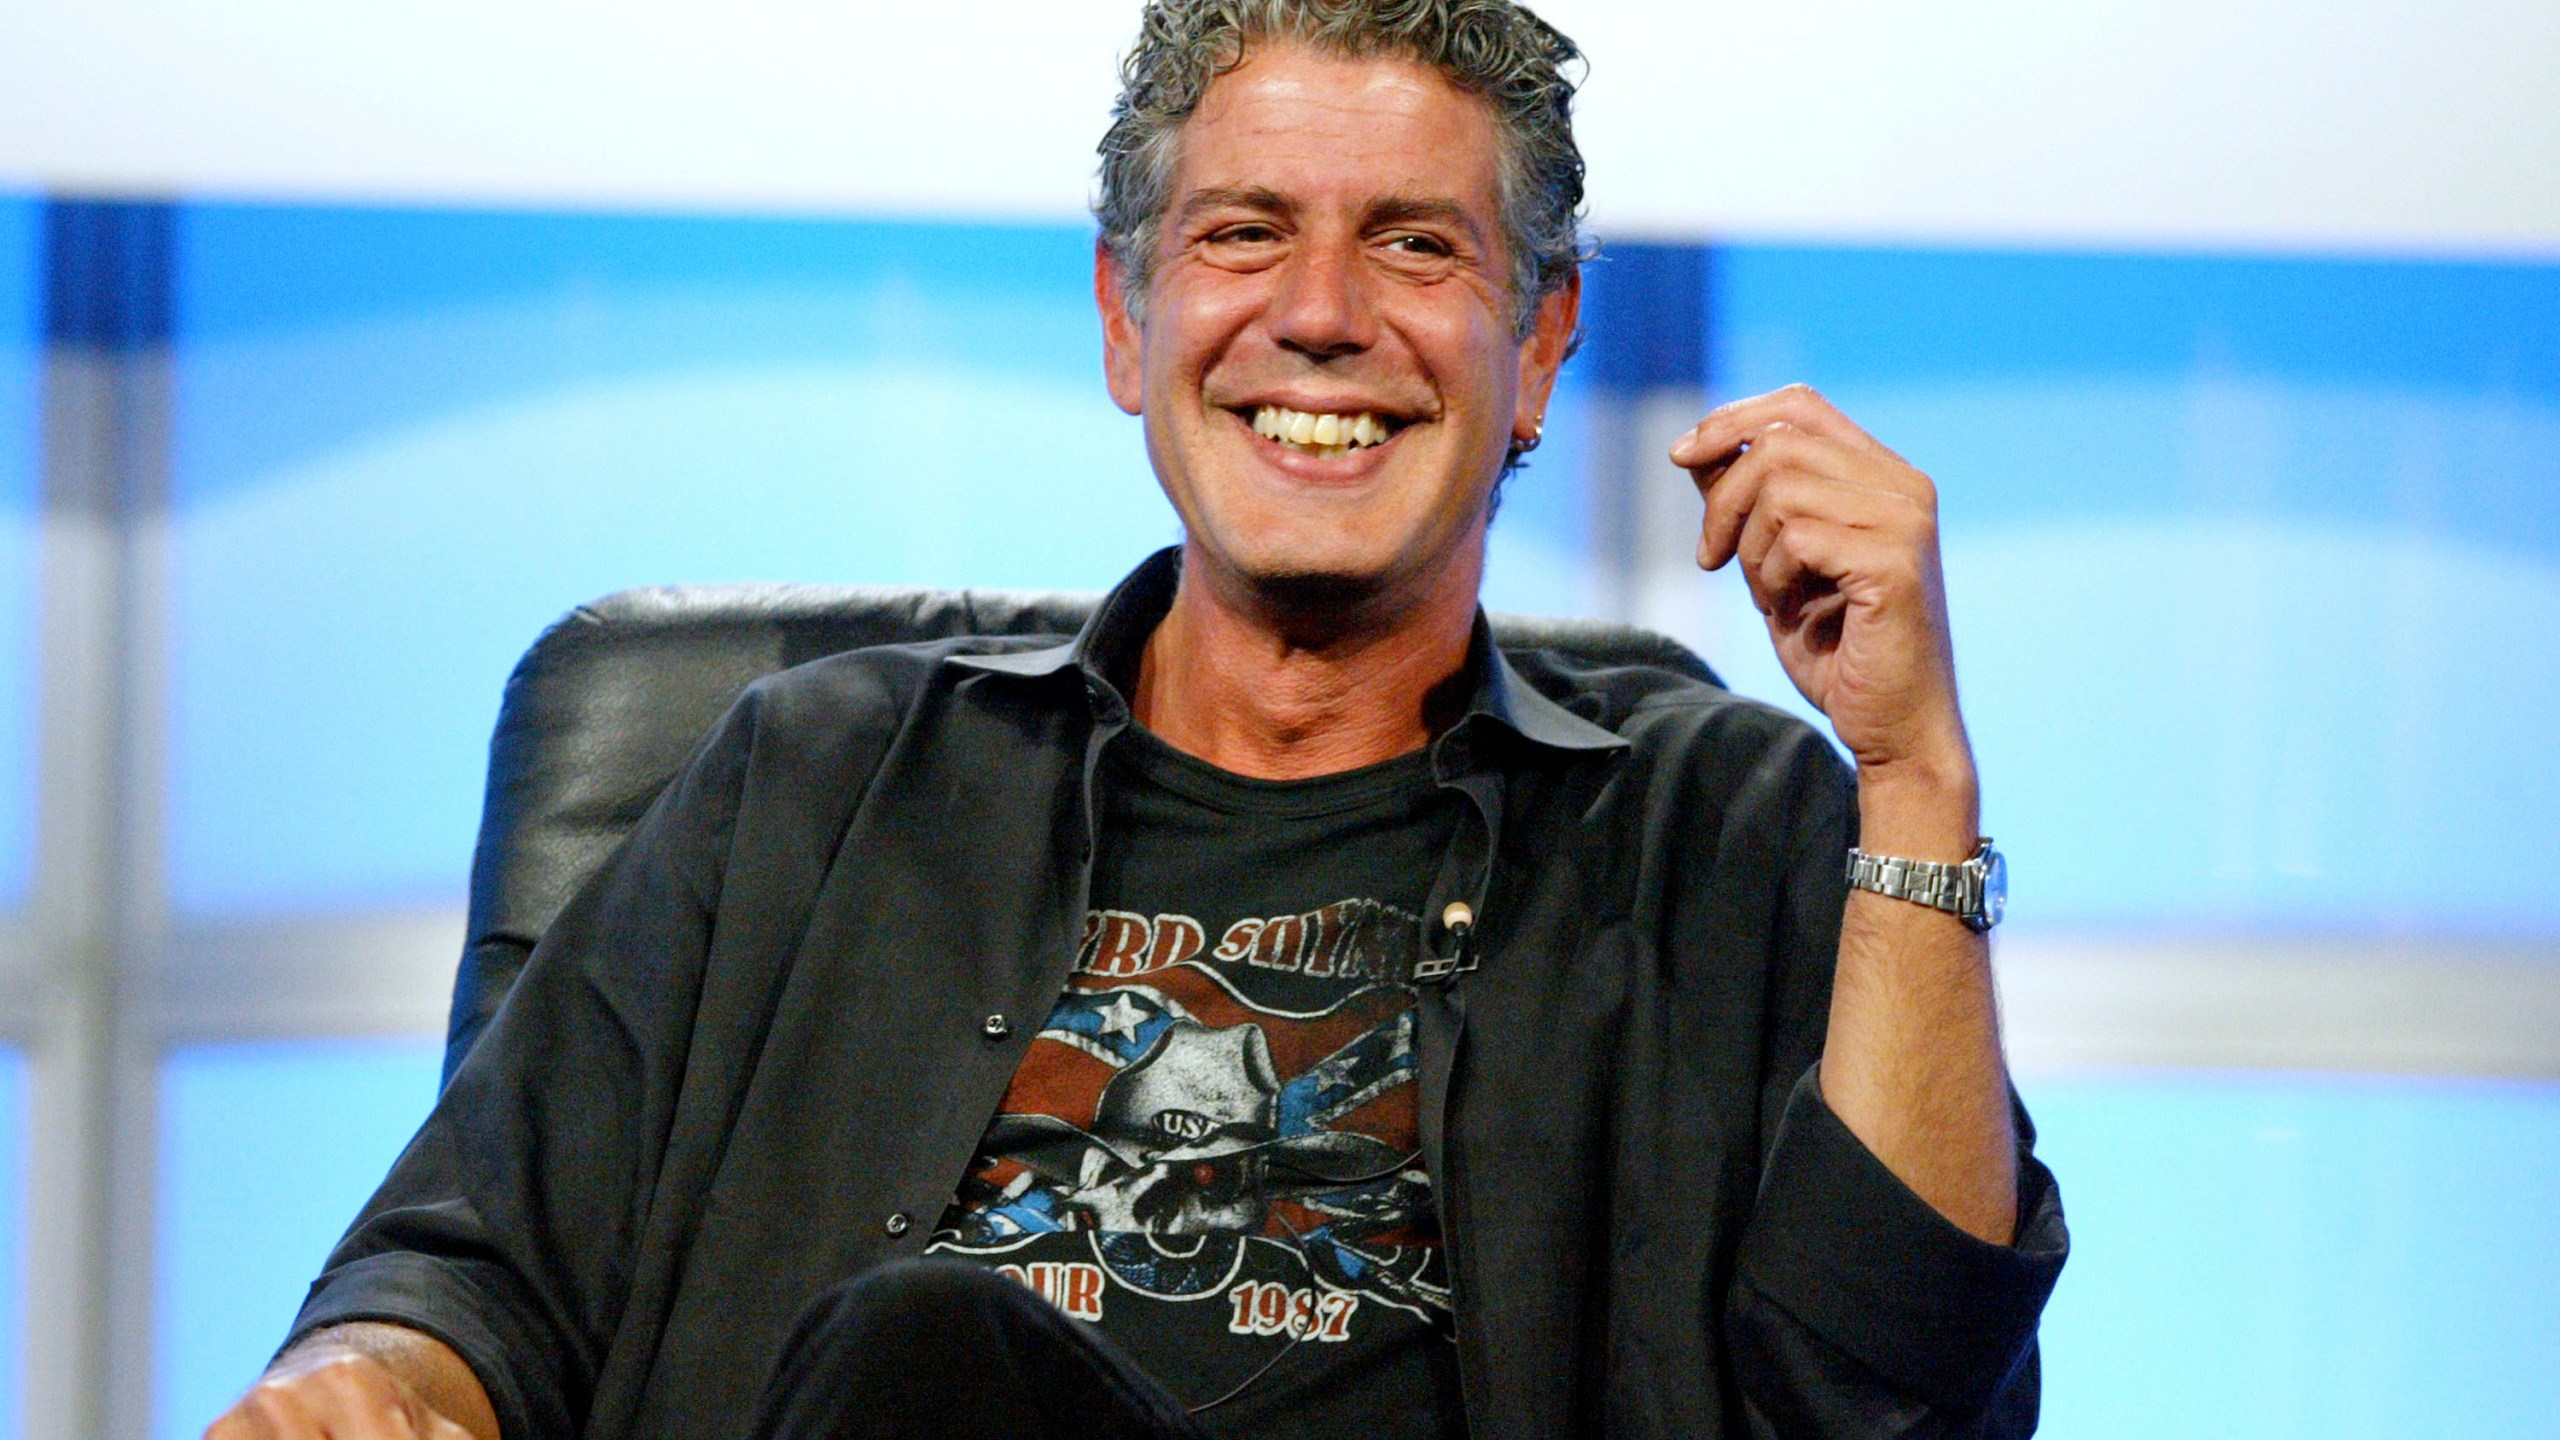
[{"x": 761, "y": 1039}]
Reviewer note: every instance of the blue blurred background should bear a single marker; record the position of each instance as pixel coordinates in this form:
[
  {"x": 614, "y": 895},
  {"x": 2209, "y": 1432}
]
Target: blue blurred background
[
  {"x": 21, "y": 361},
  {"x": 2253, "y": 546}
]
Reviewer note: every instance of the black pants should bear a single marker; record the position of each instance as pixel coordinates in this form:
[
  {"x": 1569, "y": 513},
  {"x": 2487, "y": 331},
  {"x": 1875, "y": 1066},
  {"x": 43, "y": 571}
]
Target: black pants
[{"x": 921, "y": 1349}]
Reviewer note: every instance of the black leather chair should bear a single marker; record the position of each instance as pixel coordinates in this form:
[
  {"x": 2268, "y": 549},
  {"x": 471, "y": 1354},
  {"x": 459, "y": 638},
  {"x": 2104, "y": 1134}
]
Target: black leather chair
[{"x": 609, "y": 702}]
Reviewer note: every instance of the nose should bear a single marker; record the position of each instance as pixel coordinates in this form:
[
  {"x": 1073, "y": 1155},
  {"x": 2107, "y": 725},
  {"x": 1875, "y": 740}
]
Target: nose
[{"x": 1320, "y": 306}]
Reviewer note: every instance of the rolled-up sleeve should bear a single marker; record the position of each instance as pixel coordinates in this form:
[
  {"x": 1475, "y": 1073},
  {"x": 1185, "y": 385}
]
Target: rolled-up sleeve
[
  {"x": 507, "y": 1228},
  {"x": 478, "y": 1308},
  {"x": 1857, "y": 1309}
]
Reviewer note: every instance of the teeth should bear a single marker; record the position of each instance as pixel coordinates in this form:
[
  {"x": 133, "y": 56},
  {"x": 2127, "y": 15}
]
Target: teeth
[{"x": 1325, "y": 435}]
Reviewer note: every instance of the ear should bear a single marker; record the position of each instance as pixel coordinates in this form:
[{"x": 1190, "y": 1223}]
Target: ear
[
  {"x": 1122, "y": 341},
  {"x": 1543, "y": 354}
]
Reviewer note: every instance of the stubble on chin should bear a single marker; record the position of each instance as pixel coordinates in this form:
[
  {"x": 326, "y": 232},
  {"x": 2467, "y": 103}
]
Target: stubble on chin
[
  {"x": 1318, "y": 606},
  {"x": 1316, "y": 594}
]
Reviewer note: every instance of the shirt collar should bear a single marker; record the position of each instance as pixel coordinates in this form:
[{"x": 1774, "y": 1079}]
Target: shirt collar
[
  {"x": 1504, "y": 698},
  {"x": 1111, "y": 634},
  {"x": 1126, "y": 616}
]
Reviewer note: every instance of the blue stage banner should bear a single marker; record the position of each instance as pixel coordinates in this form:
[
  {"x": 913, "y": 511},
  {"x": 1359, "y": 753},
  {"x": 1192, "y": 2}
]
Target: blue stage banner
[{"x": 21, "y": 429}]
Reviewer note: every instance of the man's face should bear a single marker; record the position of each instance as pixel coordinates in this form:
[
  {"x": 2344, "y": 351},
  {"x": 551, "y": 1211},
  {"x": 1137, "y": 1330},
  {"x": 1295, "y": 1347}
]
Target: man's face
[{"x": 1327, "y": 368}]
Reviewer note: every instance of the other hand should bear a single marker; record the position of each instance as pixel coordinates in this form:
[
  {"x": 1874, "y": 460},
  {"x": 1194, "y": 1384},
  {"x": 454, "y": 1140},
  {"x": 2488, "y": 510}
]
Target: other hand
[{"x": 333, "y": 1392}]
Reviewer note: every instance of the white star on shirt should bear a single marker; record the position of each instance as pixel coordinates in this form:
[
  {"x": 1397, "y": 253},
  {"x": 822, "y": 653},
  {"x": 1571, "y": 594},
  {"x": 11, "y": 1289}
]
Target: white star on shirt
[{"x": 1122, "y": 1017}]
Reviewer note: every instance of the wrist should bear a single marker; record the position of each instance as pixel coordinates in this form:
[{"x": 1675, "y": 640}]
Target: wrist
[{"x": 1920, "y": 810}]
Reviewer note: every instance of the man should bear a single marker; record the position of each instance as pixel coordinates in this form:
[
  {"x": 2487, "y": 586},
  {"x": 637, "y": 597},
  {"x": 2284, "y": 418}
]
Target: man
[{"x": 1431, "y": 1042}]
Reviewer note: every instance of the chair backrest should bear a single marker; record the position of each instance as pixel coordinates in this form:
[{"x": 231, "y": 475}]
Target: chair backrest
[{"x": 609, "y": 702}]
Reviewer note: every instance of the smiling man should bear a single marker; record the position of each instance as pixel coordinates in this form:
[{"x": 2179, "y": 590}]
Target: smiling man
[{"x": 1417, "y": 1039}]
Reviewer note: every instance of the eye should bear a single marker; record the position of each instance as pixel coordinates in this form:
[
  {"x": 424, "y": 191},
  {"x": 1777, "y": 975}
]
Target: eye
[
  {"x": 1243, "y": 245},
  {"x": 1421, "y": 245}
]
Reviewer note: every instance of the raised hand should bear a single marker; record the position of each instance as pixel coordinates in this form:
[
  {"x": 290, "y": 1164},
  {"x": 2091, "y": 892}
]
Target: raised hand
[{"x": 1837, "y": 537}]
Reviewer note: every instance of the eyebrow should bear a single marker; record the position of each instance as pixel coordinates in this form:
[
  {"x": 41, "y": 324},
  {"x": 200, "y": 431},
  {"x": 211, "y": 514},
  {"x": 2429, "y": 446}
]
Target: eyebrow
[
  {"x": 1412, "y": 209},
  {"x": 1244, "y": 197}
]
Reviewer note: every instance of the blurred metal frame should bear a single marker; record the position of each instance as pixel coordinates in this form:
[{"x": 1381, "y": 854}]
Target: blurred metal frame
[
  {"x": 97, "y": 907},
  {"x": 382, "y": 973},
  {"x": 2477, "y": 1008}
]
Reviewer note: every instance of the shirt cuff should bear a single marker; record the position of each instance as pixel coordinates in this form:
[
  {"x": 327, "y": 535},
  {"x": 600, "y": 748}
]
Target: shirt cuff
[
  {"x": 1854, "y": 1256},
  {"x": 434, "y": 1297}
]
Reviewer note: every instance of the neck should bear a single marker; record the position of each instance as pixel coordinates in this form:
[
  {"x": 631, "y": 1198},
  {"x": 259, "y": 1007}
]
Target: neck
[{"x": 1283, "y": 691}]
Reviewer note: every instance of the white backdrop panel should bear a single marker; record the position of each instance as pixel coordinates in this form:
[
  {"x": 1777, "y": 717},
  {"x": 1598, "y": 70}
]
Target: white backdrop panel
[{"x": 2376, "y": 125}]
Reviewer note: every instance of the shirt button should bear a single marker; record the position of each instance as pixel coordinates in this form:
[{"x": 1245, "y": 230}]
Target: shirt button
[
  {"x": 896, "y": 1224},
  {"x": 996, "y": 1027}
]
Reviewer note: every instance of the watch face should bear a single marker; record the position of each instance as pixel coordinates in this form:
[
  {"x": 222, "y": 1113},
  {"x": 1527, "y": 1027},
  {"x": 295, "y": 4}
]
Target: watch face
[{"x": 1995, "y": 889}]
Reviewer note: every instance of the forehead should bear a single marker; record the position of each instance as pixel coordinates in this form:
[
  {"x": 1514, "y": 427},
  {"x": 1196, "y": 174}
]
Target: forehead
[{"x": 1321, "y": 128}]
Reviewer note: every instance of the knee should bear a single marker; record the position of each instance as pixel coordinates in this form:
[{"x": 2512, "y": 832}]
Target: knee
[
  {"x": 874, "y": 1355},
  {"x": 929, "y": 1301},
  {"x": 926, "y": 1286}
]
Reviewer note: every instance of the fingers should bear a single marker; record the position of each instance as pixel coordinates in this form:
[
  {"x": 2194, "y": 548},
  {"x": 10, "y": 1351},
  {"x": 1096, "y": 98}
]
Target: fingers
[
  {"x": 1808, "y": 566},
  {"x": 1812, "y": 544},
  {"x": 1802, "y": 474},
  {"x": 1731, "y": 426}
]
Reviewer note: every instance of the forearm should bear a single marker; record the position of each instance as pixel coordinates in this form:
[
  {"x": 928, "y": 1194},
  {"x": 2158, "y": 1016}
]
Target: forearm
[
  {"x": 1911, "y": 1060},
  {"x": 426, "y": 1366}
]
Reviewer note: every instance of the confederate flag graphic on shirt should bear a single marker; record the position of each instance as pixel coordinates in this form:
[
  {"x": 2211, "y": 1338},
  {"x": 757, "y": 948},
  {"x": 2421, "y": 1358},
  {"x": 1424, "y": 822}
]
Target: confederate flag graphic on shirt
[{"x": 1219, "y": 1123}]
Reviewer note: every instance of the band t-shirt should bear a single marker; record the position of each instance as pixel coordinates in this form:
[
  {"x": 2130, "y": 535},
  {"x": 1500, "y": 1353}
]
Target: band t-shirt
[{"x": 1210, "y": 1149}]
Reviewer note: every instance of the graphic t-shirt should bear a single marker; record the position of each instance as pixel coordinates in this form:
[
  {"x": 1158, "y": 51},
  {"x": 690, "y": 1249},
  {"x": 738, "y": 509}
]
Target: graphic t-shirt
[{"x": 1210, "y": 1150}]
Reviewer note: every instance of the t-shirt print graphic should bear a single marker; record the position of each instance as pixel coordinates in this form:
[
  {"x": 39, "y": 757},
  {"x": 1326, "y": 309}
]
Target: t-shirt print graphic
[{"x": 1219, "y": 1122}]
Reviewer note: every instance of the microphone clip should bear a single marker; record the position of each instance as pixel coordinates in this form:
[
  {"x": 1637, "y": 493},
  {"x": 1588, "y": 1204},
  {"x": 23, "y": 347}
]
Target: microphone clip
[{"x": 1458, "y": 923}]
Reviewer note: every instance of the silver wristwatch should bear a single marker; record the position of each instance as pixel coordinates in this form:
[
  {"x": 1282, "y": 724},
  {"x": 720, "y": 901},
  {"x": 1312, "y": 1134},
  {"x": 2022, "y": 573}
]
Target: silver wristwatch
[{"x": 1975, "y": 891}]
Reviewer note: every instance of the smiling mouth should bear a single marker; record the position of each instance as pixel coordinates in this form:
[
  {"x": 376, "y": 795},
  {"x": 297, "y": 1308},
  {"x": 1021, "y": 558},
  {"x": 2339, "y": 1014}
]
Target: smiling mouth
[{"x": 1324, "y": 435}]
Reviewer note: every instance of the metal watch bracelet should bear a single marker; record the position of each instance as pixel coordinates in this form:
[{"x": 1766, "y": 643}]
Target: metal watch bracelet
[{"x": 1973, "y": 890}]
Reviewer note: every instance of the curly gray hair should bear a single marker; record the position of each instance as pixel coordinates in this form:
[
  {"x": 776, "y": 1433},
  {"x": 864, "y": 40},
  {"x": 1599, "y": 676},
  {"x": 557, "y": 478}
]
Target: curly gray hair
[{"x": 1492, "y": 48}]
